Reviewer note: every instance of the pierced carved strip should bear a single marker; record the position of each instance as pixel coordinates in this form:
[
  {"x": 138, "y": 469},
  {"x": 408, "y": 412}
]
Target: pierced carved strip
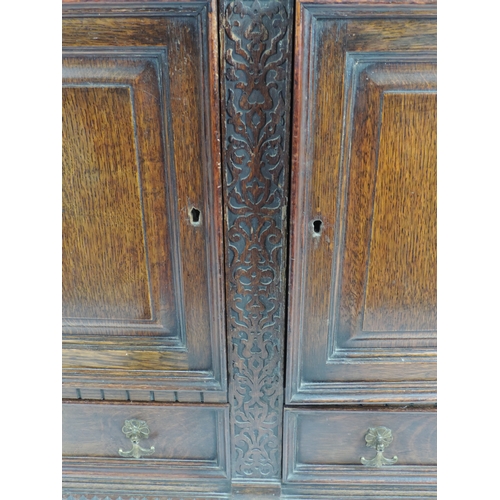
[{"x": 256, "y": 94}]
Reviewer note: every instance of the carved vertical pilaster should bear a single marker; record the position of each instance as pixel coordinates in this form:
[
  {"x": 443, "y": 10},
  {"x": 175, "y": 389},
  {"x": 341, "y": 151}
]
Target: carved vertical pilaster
[{"x": 255, "y": 81}]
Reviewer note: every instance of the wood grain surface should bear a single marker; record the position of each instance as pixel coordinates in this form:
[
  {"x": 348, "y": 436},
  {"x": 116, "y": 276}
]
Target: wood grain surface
[
  {"x": 104, "y": 259},
  {"x": 190, "y": 447},
  {"x": 323, "y": 450},
  {"x": 142, "y": 274},
  {"x": 362, "y": 309},
  {"x": 338, "y": 437},
  {"x": 176, "y": 432},
  {"x": 143, "y": 305},
  {"x": 401, "y": 281}
]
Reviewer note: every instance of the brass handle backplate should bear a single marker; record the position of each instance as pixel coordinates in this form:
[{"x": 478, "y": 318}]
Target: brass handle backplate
[
  {"x": 378, "y": 438},
  {"x": 136, "y": 430}
]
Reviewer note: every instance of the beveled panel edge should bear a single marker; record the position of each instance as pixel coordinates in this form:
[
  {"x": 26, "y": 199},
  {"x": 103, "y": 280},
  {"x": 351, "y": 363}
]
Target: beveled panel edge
[
  {"x": 177, "y": 342},
  {"x": 356, "y": 63},
  {"x": 212, "y": 157},
  {"x": 189, "y": 489},
  {"x": 156, "y": 380},
  {"x": 125, "y": 8},
  {"x": 301, "y": 83},
  {"x": 317, "y": 491},
  {"x": 370, "y": 9},
  {"x": 84, "y": 492},
  {"x": 369, "y": 393},
  {"x": 307, "y": 13},
  {"x": 353, "y": 480}
]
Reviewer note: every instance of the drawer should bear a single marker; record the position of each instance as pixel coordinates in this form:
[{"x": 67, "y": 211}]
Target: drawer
[
  {"x": 189, "y": 441},
  {"x": 326, "y": 446}
]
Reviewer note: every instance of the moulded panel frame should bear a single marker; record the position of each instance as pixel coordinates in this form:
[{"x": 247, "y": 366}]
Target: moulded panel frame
[
  {"x": 169, "y": 361},
  {"x": 365, "y": 343},
  {"x": 149, "y": 474},
  {"x": 75, "y": 330},
  {"x": 366, "y": 352},
  {"x": 350, "y": 478}
]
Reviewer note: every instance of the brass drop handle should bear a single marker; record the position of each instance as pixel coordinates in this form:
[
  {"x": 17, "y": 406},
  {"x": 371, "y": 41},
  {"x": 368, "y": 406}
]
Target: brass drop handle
[
  {"x": 136, "y": 430},
  {"x": 378, "y": 438}
]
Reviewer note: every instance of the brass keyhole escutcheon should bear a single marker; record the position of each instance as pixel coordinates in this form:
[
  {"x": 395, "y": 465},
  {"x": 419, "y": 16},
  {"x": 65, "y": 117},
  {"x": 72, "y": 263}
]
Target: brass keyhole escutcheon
[
  {"x": 378, "y": 438},
  {"x": 136, "y": 430}
]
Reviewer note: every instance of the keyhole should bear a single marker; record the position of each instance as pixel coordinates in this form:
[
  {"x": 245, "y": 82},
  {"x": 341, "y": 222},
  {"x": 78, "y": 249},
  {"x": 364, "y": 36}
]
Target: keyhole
[
  {"x": 195, "y": 215},
  {"x": 317, "y": 226}
]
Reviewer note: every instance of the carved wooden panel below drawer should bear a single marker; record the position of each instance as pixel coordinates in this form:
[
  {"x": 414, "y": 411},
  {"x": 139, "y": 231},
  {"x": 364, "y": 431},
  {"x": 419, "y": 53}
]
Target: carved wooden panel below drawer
[
  {"x": 189, "y": 442},
  {"x": 325, "y": 447}
]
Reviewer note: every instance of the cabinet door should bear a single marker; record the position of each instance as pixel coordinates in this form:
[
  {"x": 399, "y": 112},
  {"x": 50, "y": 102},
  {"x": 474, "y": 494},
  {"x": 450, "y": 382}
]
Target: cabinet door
[
  {"x": 362, "y": 323},
  {"x": 142, "y": 294}
]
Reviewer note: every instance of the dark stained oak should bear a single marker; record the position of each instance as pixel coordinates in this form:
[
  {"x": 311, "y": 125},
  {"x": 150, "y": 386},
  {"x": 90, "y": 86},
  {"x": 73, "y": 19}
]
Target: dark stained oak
[
  {"x": 177, "y": 432},
  {"x": 323, "y": 447},
  {"x": 139, "y": 495},
  {"x": 256, "y": 57},
  {"x": 117, "y": 263},
  {"x": 362, "y": 308},
  {"x": 337, "y": 437},
  {"x": 190, "y": 445},
  {"x": 142, "y": 217},
  {"x": 105, "y": 273},
  {"x": 160, "y": 250},
  {"x": 387, "y": 281},
  {"x": 139, "y": 395},
  {"x": 401, "y": 278}
]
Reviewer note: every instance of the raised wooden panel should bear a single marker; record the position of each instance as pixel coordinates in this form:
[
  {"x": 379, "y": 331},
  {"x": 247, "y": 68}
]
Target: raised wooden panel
[
  {"x": 142, "y": 219},
  {"x": 93, "y": 227},
  {"x": 401, "y": 278},
  {"x": 190, "y": 442},
  {"x": 385, "y": 291},
  {"x": 363, "y": 256},
  {"x": 118, "y": 259},
  {"x": 324, "y": 448}
]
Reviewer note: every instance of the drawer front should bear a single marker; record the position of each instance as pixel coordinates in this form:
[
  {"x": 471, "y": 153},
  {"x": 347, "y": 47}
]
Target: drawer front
[
  {"x": 327, "y": 446},
  {"x": 362, "y": 322},
  {"x": 189, "y": 442},
  {"x": 142, "y": 217}
]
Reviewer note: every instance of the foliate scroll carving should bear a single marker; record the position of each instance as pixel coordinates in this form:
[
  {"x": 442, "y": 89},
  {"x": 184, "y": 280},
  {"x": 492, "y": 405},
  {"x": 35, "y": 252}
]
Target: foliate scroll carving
[{"x": 255, "y": 89}]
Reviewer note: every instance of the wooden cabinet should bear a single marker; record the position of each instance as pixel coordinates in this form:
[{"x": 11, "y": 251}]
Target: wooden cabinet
[
  {"x": 362, "y": 320},
  {"x": 362, "y": 307},
  {"x": 247, "y": 186},
  {"x": 142, "y": 245}
]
